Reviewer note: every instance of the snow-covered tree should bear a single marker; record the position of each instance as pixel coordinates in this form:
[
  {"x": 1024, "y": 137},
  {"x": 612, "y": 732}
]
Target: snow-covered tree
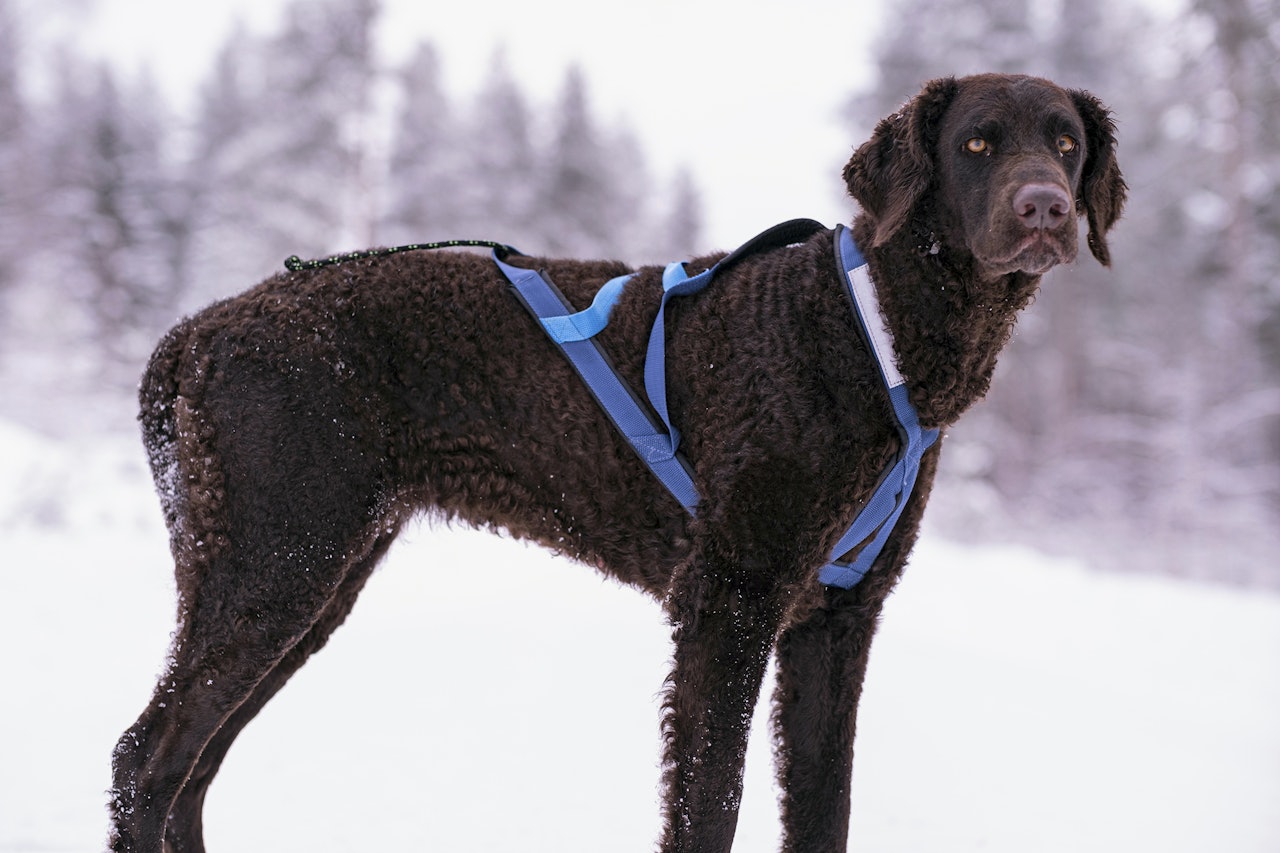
[
  {"x": 14, "y": 187},
  {"x": 282, "y": 141},
  {"x": 104, "y": 170},
  {"x": 498, "y": 199},
  {"x": 427, "y": 166},
  {"x": 1239, "y": 122},
  {"x": 583, "y": 212},
  {"x": 679, "y": 226}
]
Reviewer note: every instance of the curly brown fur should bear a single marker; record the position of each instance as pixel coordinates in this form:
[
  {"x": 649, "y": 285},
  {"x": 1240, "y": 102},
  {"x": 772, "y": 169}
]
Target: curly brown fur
[{"x": 292, "y": 429}]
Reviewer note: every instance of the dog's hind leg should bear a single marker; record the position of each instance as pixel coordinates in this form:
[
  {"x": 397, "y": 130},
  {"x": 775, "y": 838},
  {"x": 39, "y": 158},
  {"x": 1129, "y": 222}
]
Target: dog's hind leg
[
  {"x": 220, "y": 676},
  {"x": 724, "y": 628},
  {"x": 185, "y": 830},
  {"x": 293, "y": 520},
  {"x": 235, "y": 650},
  {"x": 208, "y": 680}
]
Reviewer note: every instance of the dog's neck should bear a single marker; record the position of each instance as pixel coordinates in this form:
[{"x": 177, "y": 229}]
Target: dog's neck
[{"x": 949, "y": 324}]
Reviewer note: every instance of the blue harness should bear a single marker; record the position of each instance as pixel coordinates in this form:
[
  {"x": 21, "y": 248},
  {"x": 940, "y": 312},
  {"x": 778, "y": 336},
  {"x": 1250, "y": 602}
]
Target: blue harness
[{"x": 657, "y": 442}]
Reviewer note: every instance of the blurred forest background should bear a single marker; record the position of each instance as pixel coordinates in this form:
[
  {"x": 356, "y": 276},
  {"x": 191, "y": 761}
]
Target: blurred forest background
[{"x": 1134, "y": 421}]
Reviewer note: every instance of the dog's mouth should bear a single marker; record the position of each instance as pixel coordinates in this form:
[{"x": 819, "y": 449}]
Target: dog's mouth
[{"x": 1035, "y": 254}]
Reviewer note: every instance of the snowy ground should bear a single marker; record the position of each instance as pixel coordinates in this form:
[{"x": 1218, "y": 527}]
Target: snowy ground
[{"x": 1015, "y": 703}]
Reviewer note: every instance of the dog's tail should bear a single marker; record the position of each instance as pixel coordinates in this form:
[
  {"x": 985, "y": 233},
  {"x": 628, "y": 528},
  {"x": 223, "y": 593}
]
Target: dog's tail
[
  {"x": 157, "y": 395},
  {"x": 159, "y": 385},
  {"x": 179, "y": 446}
]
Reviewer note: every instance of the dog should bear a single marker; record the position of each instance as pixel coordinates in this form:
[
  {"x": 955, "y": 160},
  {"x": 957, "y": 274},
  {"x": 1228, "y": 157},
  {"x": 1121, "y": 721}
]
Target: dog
[{"x": 293, "y": 429}]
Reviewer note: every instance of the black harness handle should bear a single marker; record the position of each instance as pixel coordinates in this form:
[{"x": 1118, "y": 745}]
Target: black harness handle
[{"x": 294, "y": 263}]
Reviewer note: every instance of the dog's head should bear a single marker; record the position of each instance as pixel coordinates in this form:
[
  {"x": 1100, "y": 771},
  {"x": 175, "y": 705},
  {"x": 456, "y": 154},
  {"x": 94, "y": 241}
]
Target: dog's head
[{"x": 998, "y": 165}]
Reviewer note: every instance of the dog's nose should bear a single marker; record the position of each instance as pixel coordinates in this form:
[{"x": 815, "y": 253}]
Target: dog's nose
[{"x": 1042, "y": 205}]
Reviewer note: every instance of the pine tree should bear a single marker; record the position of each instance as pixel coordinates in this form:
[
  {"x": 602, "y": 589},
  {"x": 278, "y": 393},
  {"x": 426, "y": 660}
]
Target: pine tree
[
  {"x": 281, "y": 158},
  {"x": 15, "y": 194},
  {"x": 498, "y": 197},
  {"x": 427, "y": 166},
  {"x": 104, "y": 170},
  {"x": 231, "y": 151},
  {"x": 580, "y": 202},
  {"x": 680, "y": 225},
  {"x": 925, "y": 39},
  {"x": 1239, "y": 106}
]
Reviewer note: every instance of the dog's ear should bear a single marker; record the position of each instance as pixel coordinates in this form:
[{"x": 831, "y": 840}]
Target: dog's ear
[
  {"x": 1102, "y": 188},
  {"x": 891, "y": 172}
]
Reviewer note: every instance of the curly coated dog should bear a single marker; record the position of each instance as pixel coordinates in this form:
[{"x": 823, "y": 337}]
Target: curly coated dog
[{"x": 293, "y": 429}]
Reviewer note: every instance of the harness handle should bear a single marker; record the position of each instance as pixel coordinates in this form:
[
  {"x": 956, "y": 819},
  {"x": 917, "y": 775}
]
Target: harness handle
[
  {"x": 783, "y": 234},
  {"x": 795, "y": 231},
  {"x": 293, "y": 263}
]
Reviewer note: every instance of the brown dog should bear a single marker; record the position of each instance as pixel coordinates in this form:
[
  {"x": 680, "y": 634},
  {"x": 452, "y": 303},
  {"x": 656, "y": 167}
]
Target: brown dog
[{"x": 294, "y": 428}]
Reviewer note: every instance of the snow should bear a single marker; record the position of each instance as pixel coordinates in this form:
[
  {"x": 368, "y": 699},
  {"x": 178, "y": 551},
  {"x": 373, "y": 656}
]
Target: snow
[{"x": 1015, "y": 702}]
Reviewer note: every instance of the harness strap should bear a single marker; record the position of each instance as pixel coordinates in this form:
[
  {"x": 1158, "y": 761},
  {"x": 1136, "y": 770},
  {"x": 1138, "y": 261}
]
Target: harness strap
[
  {"x": 658, "y": 444},
  {"x": 885, "y": 507},
  {"x": 589, "y": 322},
  {"x": 651, "y": 443},
  {"x": 677, "y": 282}
]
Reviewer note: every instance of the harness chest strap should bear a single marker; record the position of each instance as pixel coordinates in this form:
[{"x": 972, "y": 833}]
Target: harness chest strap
[
  {"x": 885, "y": 507},
  {"x": 657, "y": 444}
]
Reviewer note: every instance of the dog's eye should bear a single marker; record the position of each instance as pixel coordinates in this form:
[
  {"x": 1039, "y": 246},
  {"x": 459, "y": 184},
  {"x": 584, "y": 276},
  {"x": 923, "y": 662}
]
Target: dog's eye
[
  {"x": 977, "y": 145},
  {"x": 1066, "y": 144}
]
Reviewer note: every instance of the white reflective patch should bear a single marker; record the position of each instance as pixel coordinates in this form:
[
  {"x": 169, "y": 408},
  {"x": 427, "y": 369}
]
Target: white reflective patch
[{"x": 864, "y": 293}]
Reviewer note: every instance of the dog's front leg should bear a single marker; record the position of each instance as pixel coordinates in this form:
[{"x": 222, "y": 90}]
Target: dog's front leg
[
  {"x": 821, "y": 663},
  {"x": 822, "y": 659},
  {"x": 723, "y": 628}
]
